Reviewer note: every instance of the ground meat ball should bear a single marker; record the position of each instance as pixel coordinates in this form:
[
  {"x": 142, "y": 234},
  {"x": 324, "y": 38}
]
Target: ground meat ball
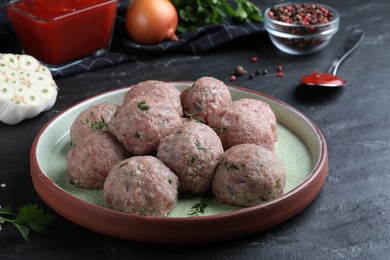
[
  {"x": 206, "y": 96},
  {"x": 157, "y": 89},
  {"x": 90, "y": 120},
  {"x": 263, "y": 109},
  {"x": 247, "y": 175},
  {"x": 192, "y": 152},
  {"x": 91, "y": 159},
  {"x": 141, "y": 185},
  {"x": 237, "y": 124},
  {"x": 140, "y": 123}
]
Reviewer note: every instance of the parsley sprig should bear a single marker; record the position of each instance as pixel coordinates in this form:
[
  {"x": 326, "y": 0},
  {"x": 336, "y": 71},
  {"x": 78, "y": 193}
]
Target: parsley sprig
[
  {"x": 200, "y": 207},
  {"x": 196, "y": 13},
  {"x": 29, "y": 217},
  {"x": 96, "y": 126}
]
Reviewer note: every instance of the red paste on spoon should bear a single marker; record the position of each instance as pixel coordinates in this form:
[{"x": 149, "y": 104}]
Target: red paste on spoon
[{"x": 320, "y": 78}]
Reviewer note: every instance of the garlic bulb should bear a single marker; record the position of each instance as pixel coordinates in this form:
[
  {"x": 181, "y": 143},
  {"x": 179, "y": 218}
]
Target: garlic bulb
[{"x": 26, "y": 88}]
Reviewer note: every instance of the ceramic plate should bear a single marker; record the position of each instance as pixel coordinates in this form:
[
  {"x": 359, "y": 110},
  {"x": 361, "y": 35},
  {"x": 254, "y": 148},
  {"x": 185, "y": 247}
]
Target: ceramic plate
[{"x": 300, "y": 146}]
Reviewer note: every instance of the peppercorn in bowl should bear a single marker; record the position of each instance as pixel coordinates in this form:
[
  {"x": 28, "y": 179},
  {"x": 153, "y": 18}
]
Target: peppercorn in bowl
[{"x": 301, "y": 28}]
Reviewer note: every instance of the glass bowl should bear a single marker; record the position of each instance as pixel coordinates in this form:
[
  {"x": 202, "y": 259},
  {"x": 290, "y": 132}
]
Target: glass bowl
[
  {"x": 61, "y": 33},
  {"x": 300, "y": 38}
]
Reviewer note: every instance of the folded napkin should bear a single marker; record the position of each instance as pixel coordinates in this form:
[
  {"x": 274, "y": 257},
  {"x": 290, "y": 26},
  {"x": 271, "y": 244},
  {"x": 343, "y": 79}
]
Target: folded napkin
[{"x": 123, "y": 49}]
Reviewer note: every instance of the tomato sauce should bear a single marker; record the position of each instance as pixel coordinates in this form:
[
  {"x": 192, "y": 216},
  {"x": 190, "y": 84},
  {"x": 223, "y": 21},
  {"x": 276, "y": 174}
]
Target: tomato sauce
[
  {"x": 61, "y": 31},
  {"x": 320, "y": 78}
]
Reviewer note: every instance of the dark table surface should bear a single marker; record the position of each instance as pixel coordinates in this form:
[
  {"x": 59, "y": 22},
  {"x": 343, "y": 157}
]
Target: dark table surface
[{"x": 349, "y": 218}]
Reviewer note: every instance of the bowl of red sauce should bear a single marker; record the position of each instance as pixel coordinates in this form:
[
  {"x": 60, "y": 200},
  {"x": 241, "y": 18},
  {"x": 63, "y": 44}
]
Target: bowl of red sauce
[
  {"x": 63, "y": 32},
  {"x": 301, "y": 28}
]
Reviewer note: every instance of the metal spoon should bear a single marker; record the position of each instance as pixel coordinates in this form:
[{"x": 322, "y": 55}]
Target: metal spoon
[{"x": 330, "y": 79}]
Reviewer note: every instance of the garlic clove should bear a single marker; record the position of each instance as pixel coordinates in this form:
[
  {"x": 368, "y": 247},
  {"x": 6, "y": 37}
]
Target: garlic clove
[
  {"x": 3, "y": 78},
  {"x": 28, "y": 63},
  {"x": 46, "y": 92},
  {"x": 6, "y": 91},
  {"x": 11, "y": 60}
]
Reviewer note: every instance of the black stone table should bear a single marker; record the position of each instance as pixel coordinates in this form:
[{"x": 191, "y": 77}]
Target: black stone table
[{"x": 350, "y": 217}]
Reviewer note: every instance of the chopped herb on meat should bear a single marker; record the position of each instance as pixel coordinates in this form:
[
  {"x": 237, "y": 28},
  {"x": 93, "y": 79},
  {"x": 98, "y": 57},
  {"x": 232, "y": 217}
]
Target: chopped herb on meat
[
  {"x": 194, "y": 159},
  {"x": 192, "y": 117},
  {"x": 170, "y": 181},
  {"x": 220, "y": 130},
  {"x": 143, "y": 106},
  {"x": 198, "y": 146},
  {"x": 198, "y": 106},
  {"x": 138, "y": 135},
  {"x": 96, "y": 125},
  {"x": 231, "y": 166}
]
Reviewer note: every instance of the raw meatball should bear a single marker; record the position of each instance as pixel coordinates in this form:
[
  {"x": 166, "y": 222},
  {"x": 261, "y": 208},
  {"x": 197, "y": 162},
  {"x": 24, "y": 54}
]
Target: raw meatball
[
  {"x": 206, "y": 96},
  {"x": 237, "y": 124},
  {"x": 92, "y": 119},
  {"x": 141, "y": 185},
  {"x": 192, "y": 152},
  {"x": 140, "y": 123},
  {"x": 157, "y": 89},
  {"x": 247, "y": 175},
  {"x": 91, "y": 159},
  {"x": 263, "y": 109}
]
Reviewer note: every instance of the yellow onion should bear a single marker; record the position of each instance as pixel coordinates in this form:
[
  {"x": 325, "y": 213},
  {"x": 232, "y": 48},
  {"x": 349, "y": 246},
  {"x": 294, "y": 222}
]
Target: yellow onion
[{"x": 151, "y": 21}]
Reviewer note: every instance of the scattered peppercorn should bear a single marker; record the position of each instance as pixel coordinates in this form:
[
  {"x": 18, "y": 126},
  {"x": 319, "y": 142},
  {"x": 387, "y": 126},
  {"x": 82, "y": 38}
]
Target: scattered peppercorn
[
  {"x": 239, "y": 71},
  {"x": 257, "y": 72},
  {"x": 279, "y": 68},
  {"x": 254, "y": 59},
  {"x": 251, "y": 76},
  {"x": 279, "y": 74},
  {"x": 265, "y": 72},
  {"x": 232, "y": 78}
]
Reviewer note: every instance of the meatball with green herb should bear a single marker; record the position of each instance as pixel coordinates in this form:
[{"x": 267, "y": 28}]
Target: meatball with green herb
[
  {"x": 239, "y": 123},
  {"x": 247, "y": 175},
  {"x": 156, "y": 88},
  {"x": 192, "y": 152},
  {"x": 141, "y": 185},
  {"x": 140, "y": 123},
  {"x": 92, "y": 119},
  {"x": 90, "y": 159},
  {"x": 205, "y": 97}
]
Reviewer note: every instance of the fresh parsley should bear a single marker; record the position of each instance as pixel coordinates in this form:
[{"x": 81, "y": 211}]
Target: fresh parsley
[
  {"x": 196, "y": 13},
  {"x": 29, "y": 217},
  {"x": 96, "y": 125},
  {"x": 143, "y": 106},
  {"x": 200, "y": 207}
]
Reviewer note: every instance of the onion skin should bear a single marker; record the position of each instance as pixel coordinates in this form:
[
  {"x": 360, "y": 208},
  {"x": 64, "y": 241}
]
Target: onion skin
[{"x": 150, "y": 22}]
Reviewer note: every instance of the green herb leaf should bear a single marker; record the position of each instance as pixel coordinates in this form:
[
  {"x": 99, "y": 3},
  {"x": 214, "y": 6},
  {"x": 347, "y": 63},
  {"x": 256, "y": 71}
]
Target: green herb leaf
[
  {"x": 200, "y": 207},
  {"x": 28, "y": 217},
  {"x": 96, "y": 125},
  {"x": 199, "y": 146},
  {"x": 143, "y": 106},
  {"x": 194, "y": 159},
  {"x": 195, "y": 14},
  {"x": 231, "y": 166}
]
